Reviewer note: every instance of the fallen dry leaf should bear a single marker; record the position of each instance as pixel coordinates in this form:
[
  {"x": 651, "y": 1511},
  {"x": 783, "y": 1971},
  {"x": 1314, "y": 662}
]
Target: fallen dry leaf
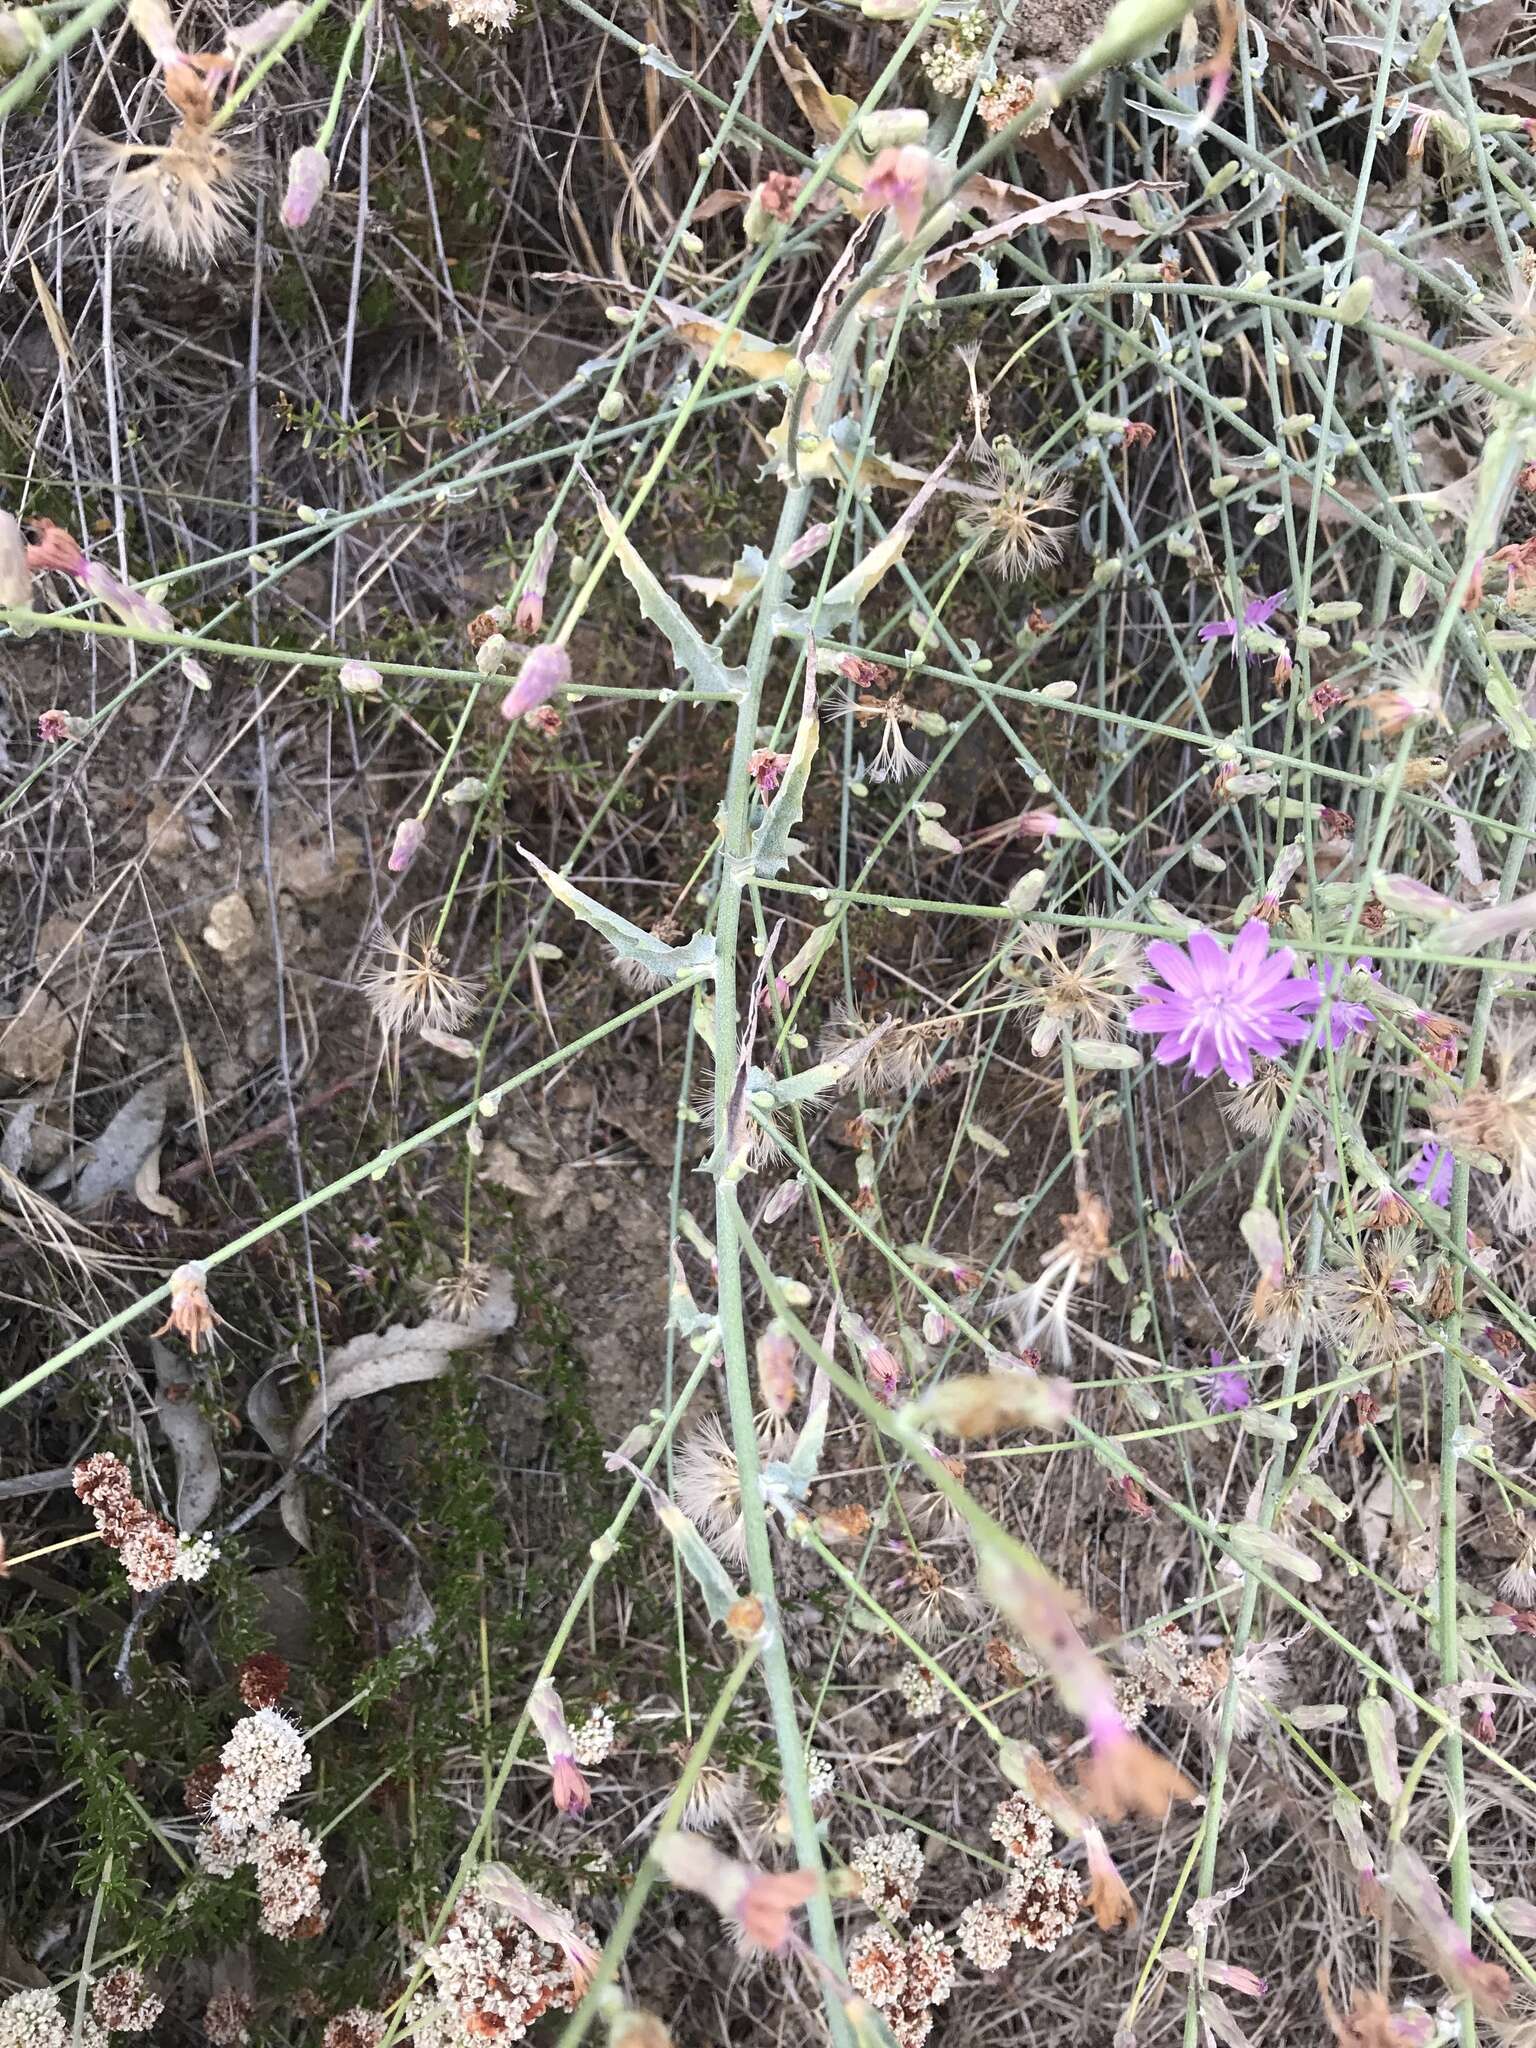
[{"x": 402, "y": 1356}]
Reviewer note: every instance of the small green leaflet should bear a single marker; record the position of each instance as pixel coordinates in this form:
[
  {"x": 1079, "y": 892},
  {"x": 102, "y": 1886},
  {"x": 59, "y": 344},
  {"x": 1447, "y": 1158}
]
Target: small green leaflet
[
  {"x": 771, "y": 844},
  {"x": 704, "y": 666},
  {"x": 667, "y": 963}
]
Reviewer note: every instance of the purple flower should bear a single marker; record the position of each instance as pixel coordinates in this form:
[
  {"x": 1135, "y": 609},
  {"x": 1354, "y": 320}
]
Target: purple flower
[
  {"x": 1343, "y": 1017},
  {"x": 1257, "y": 612},
  {"x": 1226, "y": 1389},
  {"x": 1432, "y": 1171},
  {"x": 1220, "y": 1005}
]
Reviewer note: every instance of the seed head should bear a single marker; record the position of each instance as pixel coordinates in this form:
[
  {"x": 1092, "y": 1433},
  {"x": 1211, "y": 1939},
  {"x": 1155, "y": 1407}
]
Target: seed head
[
  {"x": 408, "y": 987},
  {"x": 1017, "y": 507},
  {"x": 1087, "y": 993},
  {"x": 185, "y": 201}
]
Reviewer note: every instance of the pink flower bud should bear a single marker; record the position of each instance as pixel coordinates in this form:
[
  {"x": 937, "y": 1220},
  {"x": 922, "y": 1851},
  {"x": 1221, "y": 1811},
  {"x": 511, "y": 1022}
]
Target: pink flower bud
[
  {"x": 811, "y": 542},
  {"x": 359, "y": 680},
  {"x": 410, "y": 834},
  {"x": 55, "y": 726},
  {"x": 776, "y": 1382},
  {"x": 572, "y": 1794},
  {"x": 309, "y": 179},
  {"x": 899, "y": 179},
  {"x": 544, "y": 671},
  {"x": 530, "y": 606}
]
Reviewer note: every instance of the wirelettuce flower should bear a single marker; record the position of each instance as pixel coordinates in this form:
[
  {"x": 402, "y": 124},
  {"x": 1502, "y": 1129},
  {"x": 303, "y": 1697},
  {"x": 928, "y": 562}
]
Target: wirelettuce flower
[{"x": 1216, "y": 1006}]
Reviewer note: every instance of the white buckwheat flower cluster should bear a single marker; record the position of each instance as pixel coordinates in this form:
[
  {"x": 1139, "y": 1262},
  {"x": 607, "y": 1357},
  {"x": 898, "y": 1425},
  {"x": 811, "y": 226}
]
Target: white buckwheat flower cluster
[
  {"x": 922, "y": 1692},
  {"x": 264, "y": 1762},
  {"x": 35, "y": 2019},
  {"x": 889, "y": 1869},
  {"x": 1040, "y": 1901},
  {"x": 124, "y": 2002},
  {"x": 903, "y": 1979},
  {"x": 496, "y": 1975},
  {"x": 592, "y": 1742},
  {"x": 289, "y": 1868}
]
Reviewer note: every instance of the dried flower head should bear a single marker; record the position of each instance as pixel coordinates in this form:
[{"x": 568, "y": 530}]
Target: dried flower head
[
  {"x": 1086, "y": 994},
  {"x": 263, "y": 1679},
  {"x": 893, "y": 760},
  {"x": 227, "y": 2019},
  {"x": 191, "y": 1315},
  {"x": 1498, "y": 1115},
  {"x": 460, "y": 1294},
  {"x": 104, "y": 1484},
  {"x": 889, "y": 1869},
  {"x": 408, "y": 987},
  {"x": 1367, "y": 1303},
  {"x": 1016, "y": 508},
  {"x": 185, "y": 200},
  {"x": 124, "y": 2002},
  {"x": 903, "y": 1979},
  {"x": 707, "y": 1486},
  {"x": 1256, "y": 1108}
]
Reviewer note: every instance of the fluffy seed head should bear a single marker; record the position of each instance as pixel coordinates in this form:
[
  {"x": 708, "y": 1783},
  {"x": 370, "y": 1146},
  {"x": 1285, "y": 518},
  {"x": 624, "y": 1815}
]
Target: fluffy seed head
[
  {"x": 408, "y": 987},
  {"x": 185, "y": 201},
  {"x": 1018, "y": 507}
]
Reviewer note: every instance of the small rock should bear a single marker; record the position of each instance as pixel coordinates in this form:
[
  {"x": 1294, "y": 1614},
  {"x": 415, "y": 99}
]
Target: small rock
[{"x": 231, "y": 929}]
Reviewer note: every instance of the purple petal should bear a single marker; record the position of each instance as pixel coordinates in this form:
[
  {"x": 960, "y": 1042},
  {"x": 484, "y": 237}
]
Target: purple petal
[{"x": 1263, "y": 609}]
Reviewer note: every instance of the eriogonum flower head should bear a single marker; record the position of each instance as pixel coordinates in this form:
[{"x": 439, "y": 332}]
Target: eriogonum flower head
[
  {"x": 1221, "y": 1005},
  {"x": 309, "y": 178},
  {"x": 124, "y": 2003},
  {"x": 265, "y": 1761},
  {"x": 545, "y": 671},
  {"x": 263, "y": 1679},
  {"x": 889, "y": 1869},
  {"x": 289, "y": 1868}
]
